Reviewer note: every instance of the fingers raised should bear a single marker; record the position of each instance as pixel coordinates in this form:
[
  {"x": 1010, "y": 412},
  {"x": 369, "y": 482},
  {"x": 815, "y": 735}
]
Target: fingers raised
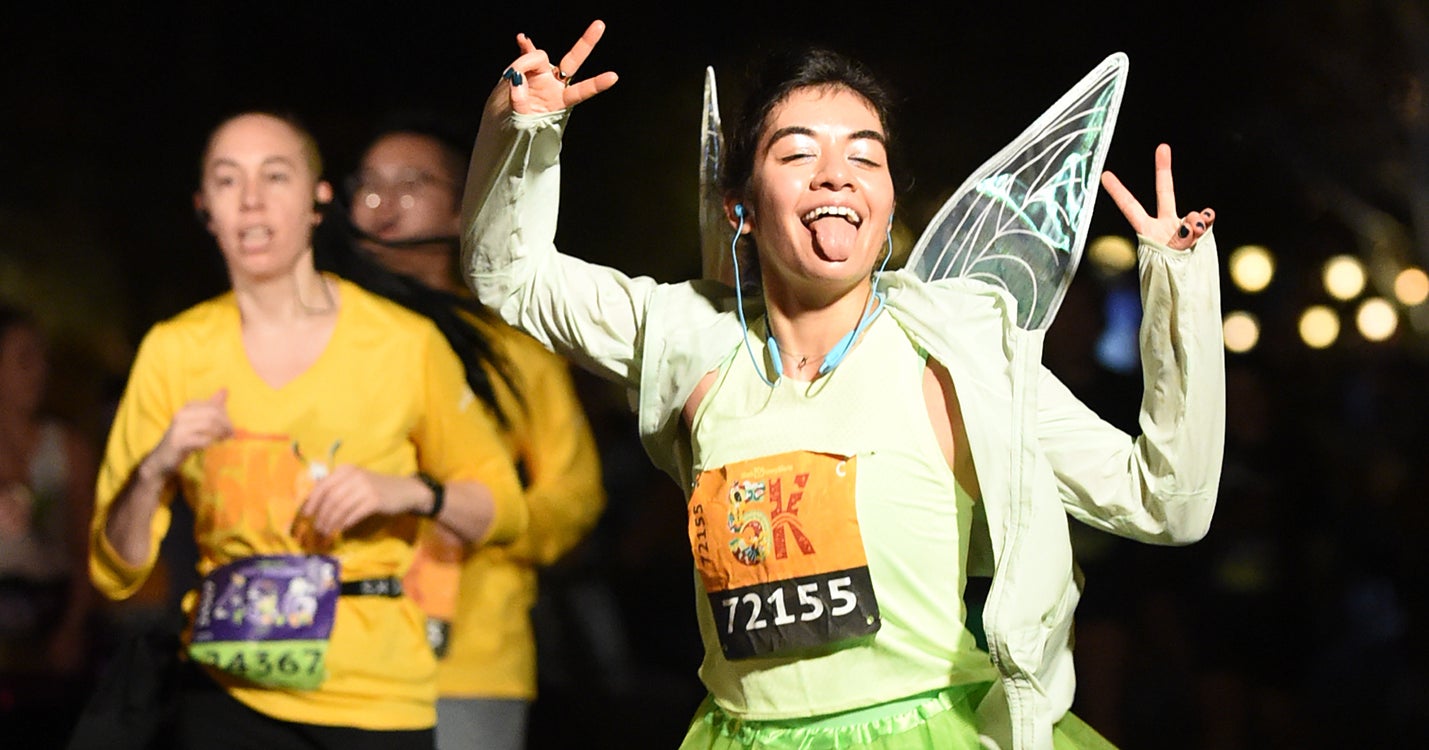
[
  {"x": 1165, "y": 186},
  {"x": 574, "y": 59},
  {"x": 1130, "y": 207},
  {"x": 579, "y": 91},
  {"x": 1165, "y": 226},
  {"x": 538, "y": 86},
  {"x": 582, "y": 90}
]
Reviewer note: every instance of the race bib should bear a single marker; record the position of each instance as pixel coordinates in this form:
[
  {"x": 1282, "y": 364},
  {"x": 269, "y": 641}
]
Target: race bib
[
  {"x": 777, "y": 544},
  {"x": 267, "y": 619}
]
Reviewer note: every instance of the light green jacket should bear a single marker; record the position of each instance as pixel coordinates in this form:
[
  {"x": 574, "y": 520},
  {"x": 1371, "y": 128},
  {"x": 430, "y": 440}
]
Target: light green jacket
[{"x": 1040, "y": 453}]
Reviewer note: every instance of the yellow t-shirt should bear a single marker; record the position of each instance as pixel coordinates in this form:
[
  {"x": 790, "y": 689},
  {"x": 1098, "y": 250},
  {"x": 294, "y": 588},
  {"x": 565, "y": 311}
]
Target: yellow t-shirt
[{"x": 386, "y": 394}]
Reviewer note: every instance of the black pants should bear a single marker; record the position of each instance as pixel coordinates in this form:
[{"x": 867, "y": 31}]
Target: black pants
[{"x": 208, "y": 718}]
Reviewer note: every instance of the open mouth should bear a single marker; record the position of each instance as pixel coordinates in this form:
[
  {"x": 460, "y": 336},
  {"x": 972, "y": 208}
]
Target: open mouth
[{"x": 255, "y": 238}]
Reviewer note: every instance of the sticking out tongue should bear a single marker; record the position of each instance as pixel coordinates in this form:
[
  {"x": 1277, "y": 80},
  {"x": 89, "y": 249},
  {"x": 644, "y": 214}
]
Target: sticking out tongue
[{"x": 833, "y": 237}]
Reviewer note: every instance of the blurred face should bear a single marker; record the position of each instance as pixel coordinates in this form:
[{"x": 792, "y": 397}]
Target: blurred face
[
  {"x": 821, "y": 191},
  {"x": 405, "y": 191},
  {"x": 23, "y": 368},
  {"x": 259, "y": 191}
]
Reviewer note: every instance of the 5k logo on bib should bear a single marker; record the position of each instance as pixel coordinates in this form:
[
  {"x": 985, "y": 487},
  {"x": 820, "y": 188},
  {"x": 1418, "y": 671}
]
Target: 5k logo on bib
[{"x": 778, "y": 547}]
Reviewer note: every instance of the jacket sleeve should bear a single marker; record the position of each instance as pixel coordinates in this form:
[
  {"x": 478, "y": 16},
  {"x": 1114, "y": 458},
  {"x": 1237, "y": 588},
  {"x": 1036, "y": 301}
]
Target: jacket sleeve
[
  {"x": 592, "y": 314},
  {"x": 1161, "y": 486}
]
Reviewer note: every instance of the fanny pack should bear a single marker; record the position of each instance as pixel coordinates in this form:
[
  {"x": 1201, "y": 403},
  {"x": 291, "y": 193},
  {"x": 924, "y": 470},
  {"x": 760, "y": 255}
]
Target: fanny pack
[{"x": 267, "y": 618}]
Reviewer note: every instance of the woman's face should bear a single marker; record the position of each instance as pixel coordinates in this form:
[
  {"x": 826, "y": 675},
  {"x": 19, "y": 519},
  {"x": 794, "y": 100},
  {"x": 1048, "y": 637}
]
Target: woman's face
[
  {"x": 405, "y": 190},
  {"x": 822, "y": 192},
  {"x": 260, "y": 194}
]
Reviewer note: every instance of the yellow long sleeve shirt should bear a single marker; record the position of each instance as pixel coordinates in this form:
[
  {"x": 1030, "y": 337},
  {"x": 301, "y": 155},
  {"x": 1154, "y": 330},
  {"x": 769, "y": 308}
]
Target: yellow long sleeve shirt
[{"x": 389, "y": 395}]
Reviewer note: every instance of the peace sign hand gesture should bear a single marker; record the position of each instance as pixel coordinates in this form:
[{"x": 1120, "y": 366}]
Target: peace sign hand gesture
[
  {"x": 1177, "y": 233},
  {"x": 536, "y": 86}
]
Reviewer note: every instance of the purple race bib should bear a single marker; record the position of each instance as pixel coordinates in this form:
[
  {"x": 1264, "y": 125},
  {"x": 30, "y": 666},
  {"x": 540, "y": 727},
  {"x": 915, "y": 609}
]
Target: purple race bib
[{"x": 267, "y": 619}]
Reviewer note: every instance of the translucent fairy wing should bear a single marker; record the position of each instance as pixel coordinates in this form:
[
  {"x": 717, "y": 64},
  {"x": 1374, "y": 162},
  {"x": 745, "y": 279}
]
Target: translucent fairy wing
[
  {"x": 1020, "y": 220},
  {"x": 715, "y": 232}
]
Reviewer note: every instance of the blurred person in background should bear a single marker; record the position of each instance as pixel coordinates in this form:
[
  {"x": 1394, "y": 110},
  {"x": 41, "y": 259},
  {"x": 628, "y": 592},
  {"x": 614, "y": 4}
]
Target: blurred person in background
[
  {"x": 406, "y": 211},
  {"x": 313, "y": 425},
  {"x": 47, "y": 470}
]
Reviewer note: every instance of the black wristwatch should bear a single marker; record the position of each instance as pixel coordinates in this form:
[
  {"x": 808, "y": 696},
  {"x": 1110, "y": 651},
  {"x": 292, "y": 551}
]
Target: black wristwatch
[{"x": 439, "y": 494}]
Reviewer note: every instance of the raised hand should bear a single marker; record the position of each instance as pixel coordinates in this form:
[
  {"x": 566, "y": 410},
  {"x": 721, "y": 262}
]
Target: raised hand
[
  {"x": 536, "y": 85},
  {"x": 1176, "y": 232}
]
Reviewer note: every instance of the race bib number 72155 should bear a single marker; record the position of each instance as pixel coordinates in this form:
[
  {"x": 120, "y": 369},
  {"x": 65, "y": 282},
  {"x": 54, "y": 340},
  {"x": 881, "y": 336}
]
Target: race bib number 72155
[{"x": 777, "y": 544}]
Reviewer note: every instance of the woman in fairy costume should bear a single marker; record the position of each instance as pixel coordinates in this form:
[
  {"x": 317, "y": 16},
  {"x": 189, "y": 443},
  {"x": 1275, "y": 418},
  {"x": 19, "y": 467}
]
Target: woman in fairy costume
[{"x": 855, "y": 443}]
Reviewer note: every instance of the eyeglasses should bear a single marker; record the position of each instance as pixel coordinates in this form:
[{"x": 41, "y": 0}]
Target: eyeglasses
[{"x": 372, "y": 190}]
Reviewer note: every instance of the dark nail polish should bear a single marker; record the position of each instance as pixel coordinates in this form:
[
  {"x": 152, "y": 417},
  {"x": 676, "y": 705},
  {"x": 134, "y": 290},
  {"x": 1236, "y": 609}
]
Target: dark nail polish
[
  {"x": 509, "y": 73},
  {"x": 1185, "y": 231},
  {"x": 1200, "y": 225},
  {"x": 516, "y": 79}
]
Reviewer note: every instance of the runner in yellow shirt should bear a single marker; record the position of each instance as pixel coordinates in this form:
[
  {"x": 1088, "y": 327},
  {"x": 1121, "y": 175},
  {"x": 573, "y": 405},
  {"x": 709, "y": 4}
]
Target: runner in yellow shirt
[{"x": 312, "y": 426}]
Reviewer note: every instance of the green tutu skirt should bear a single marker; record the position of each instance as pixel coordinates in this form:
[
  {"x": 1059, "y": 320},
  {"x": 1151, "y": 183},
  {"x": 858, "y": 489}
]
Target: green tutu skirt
[{"x": 942, "y": 720}]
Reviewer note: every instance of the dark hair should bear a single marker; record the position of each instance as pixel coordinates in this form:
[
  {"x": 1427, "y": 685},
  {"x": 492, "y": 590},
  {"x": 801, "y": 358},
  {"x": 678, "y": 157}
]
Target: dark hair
[
  {"x": 452, "y": 134},
  {"x": 780, "y": 74},
  {"x": 335, "y": 249}
]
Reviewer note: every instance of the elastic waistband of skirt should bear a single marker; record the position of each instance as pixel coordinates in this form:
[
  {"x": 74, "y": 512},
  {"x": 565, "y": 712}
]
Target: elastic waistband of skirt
[{"x": 930, "y": 702}]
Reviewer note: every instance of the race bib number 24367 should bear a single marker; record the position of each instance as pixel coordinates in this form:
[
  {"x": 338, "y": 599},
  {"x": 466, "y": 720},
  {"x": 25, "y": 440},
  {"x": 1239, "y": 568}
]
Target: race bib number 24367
[{"x": 267, "y": 619}]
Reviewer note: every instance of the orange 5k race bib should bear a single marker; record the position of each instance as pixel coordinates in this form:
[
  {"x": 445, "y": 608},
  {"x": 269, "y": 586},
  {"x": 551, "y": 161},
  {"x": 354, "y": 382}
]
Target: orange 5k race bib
[{"x": 778, "y": 547}]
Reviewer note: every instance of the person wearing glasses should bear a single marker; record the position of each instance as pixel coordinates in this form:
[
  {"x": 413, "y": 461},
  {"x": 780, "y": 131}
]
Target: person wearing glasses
[{"x": 405, "y": 208}]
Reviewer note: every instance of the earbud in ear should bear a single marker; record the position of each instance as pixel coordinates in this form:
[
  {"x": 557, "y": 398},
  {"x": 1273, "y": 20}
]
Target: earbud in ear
[{"x": 739, "y": 210}]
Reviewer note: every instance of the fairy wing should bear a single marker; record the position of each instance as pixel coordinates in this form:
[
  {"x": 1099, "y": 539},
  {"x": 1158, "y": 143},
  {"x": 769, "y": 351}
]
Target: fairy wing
[
  {"x": 715, "y": 232},
  {"x": 1020, "y": 220}
]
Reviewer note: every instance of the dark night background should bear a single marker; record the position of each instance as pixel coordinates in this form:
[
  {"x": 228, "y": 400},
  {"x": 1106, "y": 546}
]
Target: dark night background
[{"x": 1293, "y": 624}]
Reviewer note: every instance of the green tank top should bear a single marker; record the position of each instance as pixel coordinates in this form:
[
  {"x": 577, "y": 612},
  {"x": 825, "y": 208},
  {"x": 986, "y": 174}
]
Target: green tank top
[{"x": 821, "y": 499}]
